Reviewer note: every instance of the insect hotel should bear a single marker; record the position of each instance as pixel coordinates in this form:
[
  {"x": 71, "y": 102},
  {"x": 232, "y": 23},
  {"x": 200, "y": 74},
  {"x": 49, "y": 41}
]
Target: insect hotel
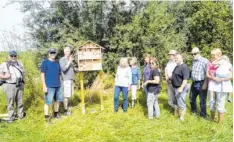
[{"x": 88, "y": 56}]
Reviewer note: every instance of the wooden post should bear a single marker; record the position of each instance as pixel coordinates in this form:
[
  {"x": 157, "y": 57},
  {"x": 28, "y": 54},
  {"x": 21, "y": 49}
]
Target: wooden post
[
  {"x": 101, "y": 101},
  {"x": 82, "y": 92}
]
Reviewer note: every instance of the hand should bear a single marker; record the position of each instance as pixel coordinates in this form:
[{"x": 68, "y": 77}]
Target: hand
[
  {"x": 129, "y": 87},
  {"x": 144, "y": 84},
  {"x": 71, "y": 58},
  {"x": 204, "y": 86},
  {"x": 45, "y": 89},
  {"x": 7, "y": 75},
  {"x": 139, "y": 87},
  {"x": 217, "y": 79},
  {"x": 180, "y": 89}
]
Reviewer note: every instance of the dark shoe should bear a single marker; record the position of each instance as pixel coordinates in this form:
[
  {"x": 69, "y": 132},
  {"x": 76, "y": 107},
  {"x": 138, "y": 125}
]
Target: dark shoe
[
  {"x": 116, "y": 110},
  {"x": 56, "y": 115},
  {"x": 229, "y": 100},
  {"x": 23, "y": 117},
  {"x": 48, "y": 119}
]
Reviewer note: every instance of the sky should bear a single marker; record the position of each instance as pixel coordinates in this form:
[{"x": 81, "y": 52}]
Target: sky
[
  {"x": 11, "y": 19},
  {"x": 10, "y": 16}
]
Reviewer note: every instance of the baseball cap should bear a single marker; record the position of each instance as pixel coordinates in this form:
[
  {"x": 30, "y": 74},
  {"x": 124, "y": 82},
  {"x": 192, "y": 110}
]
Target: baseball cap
[
  {"x": 12, "y": 52},
  {"x": 52, "y": 50}
]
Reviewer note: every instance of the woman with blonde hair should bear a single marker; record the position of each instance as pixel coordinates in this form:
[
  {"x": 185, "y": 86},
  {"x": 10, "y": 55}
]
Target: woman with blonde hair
[
  {"x": 123, "y": 81},
  {"x": 220, "y": 84},
  {"x": 136, "y": 76},
  {"x": 153, "y": 89}
]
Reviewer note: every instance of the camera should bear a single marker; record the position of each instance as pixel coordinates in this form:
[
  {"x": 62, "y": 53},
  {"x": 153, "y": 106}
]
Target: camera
[{"x": 18, "y": 82}]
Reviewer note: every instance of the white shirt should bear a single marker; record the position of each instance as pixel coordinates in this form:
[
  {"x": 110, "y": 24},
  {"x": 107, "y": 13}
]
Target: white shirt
[
  {"x": 170, "y": 68},
  {"x": 123, "y": 77},
  {"x": 15, "y": 73}
]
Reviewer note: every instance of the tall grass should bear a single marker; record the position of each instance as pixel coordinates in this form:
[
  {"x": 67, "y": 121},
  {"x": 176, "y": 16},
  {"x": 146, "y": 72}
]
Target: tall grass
[{"x": 107, "y": 126}]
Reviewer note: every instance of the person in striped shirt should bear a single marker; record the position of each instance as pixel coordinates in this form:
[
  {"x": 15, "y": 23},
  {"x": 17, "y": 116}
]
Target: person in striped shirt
[{"x": 199, "y": 82}]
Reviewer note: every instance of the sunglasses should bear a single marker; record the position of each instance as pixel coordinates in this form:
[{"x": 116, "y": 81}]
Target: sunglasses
[
  {"x": 52, "y": 52},
  {"x": 152, "y": 63},
  {"x": 13, "y": 56},
  {"x": 194, "y": 54}
]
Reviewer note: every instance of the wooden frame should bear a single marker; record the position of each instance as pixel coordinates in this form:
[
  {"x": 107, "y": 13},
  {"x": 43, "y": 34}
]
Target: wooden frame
[{"x": 89, "y": 56}]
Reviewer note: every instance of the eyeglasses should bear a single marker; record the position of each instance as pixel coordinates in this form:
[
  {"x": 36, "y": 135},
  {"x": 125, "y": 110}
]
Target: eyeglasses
[
  {"x": 52, "y": 52},
  {"x": 13, "y": 56}
]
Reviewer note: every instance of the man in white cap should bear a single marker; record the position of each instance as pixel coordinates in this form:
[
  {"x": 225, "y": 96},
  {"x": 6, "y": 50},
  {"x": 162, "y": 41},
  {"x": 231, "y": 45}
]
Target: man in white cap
[
  {"x": 12, "y": 72},
  {"x": 168, "y": 74},
  {"x": 199, "y": 82}
]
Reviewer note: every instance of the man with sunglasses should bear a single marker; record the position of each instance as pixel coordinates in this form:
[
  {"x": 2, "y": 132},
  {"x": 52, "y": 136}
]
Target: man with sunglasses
[
  {"x": 50, "y": 75},
  {"x": 13, "y": 72},
  {"x": 199, "y": 82}
]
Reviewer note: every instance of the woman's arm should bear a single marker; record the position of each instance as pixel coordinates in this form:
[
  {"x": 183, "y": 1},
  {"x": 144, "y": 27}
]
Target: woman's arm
[
  {"x": 211, "y": 77},
  {"x": 155, "y": 81}
]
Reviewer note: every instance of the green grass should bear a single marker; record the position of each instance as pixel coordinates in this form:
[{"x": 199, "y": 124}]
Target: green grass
[{"x": 106, "y": 125}]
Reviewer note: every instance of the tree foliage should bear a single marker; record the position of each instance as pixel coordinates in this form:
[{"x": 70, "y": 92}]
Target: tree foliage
[{"x": 127, "y": 29}]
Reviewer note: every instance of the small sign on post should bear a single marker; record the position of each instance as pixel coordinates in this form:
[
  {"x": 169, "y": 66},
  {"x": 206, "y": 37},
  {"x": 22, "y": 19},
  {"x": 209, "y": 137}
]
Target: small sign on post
[{"x": 88, "y": 57}]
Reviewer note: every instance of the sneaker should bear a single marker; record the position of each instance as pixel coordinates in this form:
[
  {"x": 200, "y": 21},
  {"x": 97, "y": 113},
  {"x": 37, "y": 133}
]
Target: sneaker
[
  {"x": 229, "y": 100},
  {"x": 67, "y": 113},
  {"x": 181, "y": 119}
]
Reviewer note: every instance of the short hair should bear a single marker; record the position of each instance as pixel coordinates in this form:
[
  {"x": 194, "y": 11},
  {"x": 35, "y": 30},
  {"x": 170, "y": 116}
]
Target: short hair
[
  {"x": 123, "y": 62},
  {"x": 181, "y": 54},
  {"x": 217, "y": 51},
  {"x": 147, "y": 56},
  {"x": 67, "y": 48},
  {"x": 154, "y": 59},
  {"x": 134, "y": 60}
]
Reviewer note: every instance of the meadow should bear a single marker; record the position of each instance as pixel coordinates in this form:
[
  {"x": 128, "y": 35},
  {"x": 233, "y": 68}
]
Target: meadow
[{"x": 105, "y": 125}]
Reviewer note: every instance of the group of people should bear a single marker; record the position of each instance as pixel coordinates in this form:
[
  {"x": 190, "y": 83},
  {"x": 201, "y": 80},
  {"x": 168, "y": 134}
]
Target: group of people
[
  {"x": 211, "y": 77},
  {"x": 52, "y": 72},
  {"x": 207, "y": 76}
]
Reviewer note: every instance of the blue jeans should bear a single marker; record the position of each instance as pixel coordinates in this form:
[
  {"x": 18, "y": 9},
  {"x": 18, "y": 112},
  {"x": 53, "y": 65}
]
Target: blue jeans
[
  {"x": 124, "y": 91},
  {"x": 196, "y": 89},
  {"x": 53, "y": 93}
]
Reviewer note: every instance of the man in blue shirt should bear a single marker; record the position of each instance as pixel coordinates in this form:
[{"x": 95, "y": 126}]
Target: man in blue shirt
[{"x": 50, "y": 76}]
